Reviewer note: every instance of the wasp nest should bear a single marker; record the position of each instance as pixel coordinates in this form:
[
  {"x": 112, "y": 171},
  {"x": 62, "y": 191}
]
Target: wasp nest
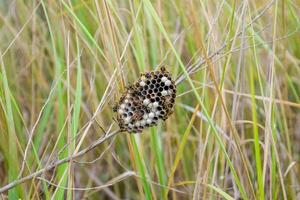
[{"x": 147, "y": 100}]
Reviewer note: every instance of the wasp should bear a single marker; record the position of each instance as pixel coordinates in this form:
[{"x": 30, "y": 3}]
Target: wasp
[
  {"x": 115, "y": 107},
  {"x": 137, "y": 103},
  {"x": 148, "y": 75},
  {"x": 137, "y": 116}
]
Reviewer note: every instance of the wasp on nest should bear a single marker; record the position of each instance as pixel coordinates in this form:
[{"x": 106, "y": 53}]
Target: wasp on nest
[{"x": 147, "y": 100}]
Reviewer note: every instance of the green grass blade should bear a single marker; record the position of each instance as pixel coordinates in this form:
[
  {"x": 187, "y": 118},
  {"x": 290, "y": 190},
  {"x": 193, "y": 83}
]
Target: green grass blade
[
  {"x": 141, "y": 167},
  {"x": 261, "y": 193},
  {"x": 84, "y": 29},
  {"x": 156, "y": 145},
  {"x": 181, "y": 147},
  {"x": 76, "y": 112},
  {"x": 60, "y": 99},
  {"x": 12, "y": 157}
]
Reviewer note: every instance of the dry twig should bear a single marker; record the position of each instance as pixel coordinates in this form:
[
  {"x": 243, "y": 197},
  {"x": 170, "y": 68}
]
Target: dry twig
[{"x": 59, "y": 162}]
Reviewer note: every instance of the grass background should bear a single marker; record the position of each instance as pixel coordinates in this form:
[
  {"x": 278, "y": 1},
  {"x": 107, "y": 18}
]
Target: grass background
[{"x": 235, "y": 132}]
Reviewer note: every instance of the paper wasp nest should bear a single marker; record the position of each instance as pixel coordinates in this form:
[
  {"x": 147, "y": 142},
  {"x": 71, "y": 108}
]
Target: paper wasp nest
[{"x": 147, "y": 100}]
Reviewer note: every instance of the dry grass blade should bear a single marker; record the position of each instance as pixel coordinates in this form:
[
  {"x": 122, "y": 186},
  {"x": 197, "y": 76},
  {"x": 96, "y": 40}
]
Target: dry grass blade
[{"x": 212, "y": 86}]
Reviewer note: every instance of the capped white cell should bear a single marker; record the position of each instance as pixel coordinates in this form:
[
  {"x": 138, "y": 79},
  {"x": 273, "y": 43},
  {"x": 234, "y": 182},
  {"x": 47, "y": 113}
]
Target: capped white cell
[
  {"x": 143, "y": 122},
  {"x": 150, "y": 105},
  {"x": 164, "y": 79},
  {"x": 155, "y": 104},
  {"x": 157, "y": 113},
  {"x": 137, "y": 123},
  {"x": 123, "y": 106},
  {"x": 151, "y": 115},
  {"x": 142, "y": 83},
  {"x": 149, "y": 121},
  {"x": 145, "y": 116},
  {"x": 120, "y": 111},
  {"x": 127, "y": 120},
  {"x": 146, "y": 102},
  {"x": 126, "y": 101},
  {"x": 130, "y": 125},
  {"x": 169, "y": 92},
  {"x": 164, "y": 93},
  {"x": 168, "y": 83}
]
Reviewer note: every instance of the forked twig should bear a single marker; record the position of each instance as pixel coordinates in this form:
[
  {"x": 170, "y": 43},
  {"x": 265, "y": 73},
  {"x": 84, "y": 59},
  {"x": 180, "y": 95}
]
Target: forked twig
[{"x": 59, "y": 162}]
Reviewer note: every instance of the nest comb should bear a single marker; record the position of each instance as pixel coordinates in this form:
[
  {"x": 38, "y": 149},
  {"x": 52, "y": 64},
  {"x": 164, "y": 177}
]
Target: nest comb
[{"x": 146, "y": 101}]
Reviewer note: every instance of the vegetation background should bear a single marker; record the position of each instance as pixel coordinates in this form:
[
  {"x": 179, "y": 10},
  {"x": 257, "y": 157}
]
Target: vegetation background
[{"x": 235, "y": 132}]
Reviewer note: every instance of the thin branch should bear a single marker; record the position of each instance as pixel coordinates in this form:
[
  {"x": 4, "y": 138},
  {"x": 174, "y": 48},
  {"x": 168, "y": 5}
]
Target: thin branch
[
  {"x": 194, "y": 68},
  {"x": 113, "y": 181},
  {"x": 59, "y": 162}
]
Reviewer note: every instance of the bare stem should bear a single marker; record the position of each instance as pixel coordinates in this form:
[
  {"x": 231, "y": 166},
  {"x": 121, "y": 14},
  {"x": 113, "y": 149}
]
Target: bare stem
[{"x": 59, "y": 162}]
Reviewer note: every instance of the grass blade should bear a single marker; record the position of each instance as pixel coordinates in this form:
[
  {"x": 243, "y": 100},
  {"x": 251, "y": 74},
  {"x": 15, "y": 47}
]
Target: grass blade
[
  {"x": 12, "y": 156},
  {"x": 156, "y": 145},
  {"x": 141, "y": 167}
]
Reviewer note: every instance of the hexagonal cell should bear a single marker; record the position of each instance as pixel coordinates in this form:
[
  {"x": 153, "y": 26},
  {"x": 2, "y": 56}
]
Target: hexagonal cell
[
  {"x": 164, "y": 93},
  {"x": 142, "y": 83},
  {"x": 144, "y": 92},
  {"x": 153, "y": 95},
  {"x": 168, "y": 83}
]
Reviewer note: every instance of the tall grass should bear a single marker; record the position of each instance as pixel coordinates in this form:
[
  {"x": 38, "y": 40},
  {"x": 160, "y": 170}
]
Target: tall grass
[{"x": 235, "y": 128}]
